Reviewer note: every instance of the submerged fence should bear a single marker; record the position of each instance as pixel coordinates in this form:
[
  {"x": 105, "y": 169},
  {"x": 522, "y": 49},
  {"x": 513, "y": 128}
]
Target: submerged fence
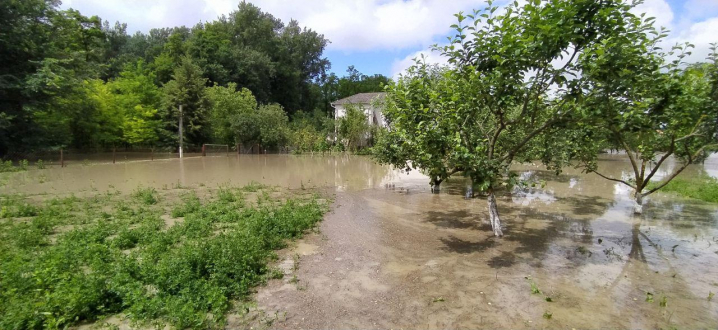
[{"x": 64, "y": 157}]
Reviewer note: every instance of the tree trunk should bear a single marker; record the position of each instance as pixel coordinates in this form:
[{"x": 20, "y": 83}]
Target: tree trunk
[
  {"x": 638, "y": 206},
  {"x": 494, "y": 214},
  {"x": 436, "y": 187}
]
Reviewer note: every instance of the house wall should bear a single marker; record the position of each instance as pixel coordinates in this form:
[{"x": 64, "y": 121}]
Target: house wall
[{"x": 369, "y": 111}]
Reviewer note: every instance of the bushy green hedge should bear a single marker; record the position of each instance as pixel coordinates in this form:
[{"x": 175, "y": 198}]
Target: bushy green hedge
[{"x": 71, "y": 260}]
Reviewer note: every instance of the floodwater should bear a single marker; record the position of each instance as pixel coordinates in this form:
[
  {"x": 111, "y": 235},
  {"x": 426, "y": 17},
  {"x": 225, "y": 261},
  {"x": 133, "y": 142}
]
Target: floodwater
[{"x": 392, "y": 255}]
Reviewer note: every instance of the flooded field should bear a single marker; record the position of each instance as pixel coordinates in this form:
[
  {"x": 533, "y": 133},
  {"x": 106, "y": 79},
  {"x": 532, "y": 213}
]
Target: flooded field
[{"x": 392, "y": 255}]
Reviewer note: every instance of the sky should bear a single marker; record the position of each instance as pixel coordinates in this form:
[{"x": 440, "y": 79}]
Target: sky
[{"x": 380, "y": 36}]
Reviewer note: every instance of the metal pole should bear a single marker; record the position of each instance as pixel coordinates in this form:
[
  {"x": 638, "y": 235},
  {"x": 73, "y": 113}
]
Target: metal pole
[
  {"x": 113, "y": 154},
  {"x": 204, "y": 150},
  {"x": 180, "y": 131},
  {"x": 62, "y": 159}
]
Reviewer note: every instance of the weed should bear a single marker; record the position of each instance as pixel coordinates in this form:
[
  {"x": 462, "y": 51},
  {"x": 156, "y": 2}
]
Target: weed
[
  {"x": 40, "y": 164},
  {"x": 548, "y": 299},
  {"x": 253, "y": 187},
  {"x": 547, "y": 315},
  {"x": 664, "y": 301},
  {"x": 439, "y": 299},
  {"x": 7, "y": 166},
  {"x": 147, "y": 196},
  {"x": 649, "y": 297},
  {"x": 294, "y": 279},
  {"x": 710, "y": 295},
  {"x": 24, "y": 164},
  {"x": 534, "y": 287}
]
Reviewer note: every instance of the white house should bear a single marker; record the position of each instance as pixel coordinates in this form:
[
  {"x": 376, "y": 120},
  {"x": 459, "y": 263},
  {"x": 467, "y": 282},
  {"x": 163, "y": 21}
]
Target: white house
[{"x": 370, "y": 103}]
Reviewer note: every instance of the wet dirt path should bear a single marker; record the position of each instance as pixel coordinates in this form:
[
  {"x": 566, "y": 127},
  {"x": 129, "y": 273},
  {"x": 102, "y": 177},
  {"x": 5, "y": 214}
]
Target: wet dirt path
[{"x": 573, "y": 257}]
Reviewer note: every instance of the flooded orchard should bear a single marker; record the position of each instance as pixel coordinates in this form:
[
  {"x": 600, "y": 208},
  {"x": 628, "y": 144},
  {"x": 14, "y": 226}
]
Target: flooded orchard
[{"x": 392, "y": 255}]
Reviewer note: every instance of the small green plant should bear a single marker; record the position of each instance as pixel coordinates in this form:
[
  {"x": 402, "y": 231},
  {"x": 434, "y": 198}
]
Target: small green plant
[
  {"x": 24, "y": 164},
  {"x": 534, "y": 287},
  {"x": 664, "y": 301},
  {"x": 147, "y": 196},
  {"x": 253, "y": 187},
  {"x": 548, "y": 299},
  {"x": 40, "y": 164},
  {"x": 547, "y": 315},
  {"x": 710, "y": 295},
  {"x": 649, "y": 297},
  {"x": 438, "y": 299}
]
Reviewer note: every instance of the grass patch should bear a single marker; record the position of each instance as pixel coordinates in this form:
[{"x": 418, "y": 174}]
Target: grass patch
[
  {"x": 72, "y": 260},
  {"x": 702, "y": 187}
]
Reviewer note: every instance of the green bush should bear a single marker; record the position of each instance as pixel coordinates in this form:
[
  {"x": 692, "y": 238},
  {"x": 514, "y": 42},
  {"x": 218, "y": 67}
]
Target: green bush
[{"x": 80, "y": 260}]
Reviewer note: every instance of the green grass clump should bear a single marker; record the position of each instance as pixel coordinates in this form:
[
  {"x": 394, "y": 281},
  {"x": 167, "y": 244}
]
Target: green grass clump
[
  {"x": 147, "y": 196},
  {"x": 76, "y": 260},
  {"x": 7, "y": 166},
  {"x": 702, "y": 187}
]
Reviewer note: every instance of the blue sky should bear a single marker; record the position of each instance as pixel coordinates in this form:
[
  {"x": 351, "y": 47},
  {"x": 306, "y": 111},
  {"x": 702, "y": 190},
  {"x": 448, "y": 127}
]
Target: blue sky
[{"x": 380, "y": 36}]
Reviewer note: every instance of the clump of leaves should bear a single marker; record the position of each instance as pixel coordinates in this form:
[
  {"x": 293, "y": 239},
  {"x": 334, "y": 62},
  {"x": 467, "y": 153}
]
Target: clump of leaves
[
  {"x": 710, "y": 295},
  {"x": 547, "y": 315},
  {"x": 649, "y": 297},
  {"x": 147, "y": 196},
  {"x": 40, "y": 164},
  {"x": 534, "y": 287},
  {"x": 664, "y": 301}
]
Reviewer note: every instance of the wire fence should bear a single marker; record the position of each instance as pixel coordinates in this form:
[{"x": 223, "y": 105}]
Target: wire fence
[{"x": 65, "y": 157}]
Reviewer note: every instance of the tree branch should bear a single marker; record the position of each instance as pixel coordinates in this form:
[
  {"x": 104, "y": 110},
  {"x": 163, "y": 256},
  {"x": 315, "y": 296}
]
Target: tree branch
[
  {"x": 616, "y": 180},
  {"x": 672, "y": 176}
]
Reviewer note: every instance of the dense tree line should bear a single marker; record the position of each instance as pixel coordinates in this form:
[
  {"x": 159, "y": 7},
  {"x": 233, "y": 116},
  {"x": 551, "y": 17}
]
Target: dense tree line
[{"x": 69, "y": 80}]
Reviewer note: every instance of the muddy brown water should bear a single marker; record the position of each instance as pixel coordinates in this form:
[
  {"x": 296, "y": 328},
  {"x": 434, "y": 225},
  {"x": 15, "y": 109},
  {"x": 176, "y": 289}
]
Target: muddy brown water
[{"x": 392, "y": 255}]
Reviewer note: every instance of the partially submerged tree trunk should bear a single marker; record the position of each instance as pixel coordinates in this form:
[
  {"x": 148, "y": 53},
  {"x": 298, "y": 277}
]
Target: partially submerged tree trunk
[
  {"x": 638, "y": 206},
  {"x": 436, "y": 185},
  {"x": 494, "y": 214}
]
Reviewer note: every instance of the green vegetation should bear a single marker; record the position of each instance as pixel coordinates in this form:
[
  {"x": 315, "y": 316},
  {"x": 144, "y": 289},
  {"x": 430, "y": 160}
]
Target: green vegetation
[
  {"x": 353, "y": 128},
  {"x": 701, "y": 187},
  {"x": 505, "y": 98},
  {"x": 72, "y": 81},
  {"x": 70, "y": 260}
]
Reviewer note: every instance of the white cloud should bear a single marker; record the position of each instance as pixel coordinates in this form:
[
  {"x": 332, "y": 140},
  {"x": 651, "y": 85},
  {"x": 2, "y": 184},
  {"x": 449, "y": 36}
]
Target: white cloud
[
  {"x": 400, "y": 65},
  {"x": 351, "y": 25},
  {"x": 660, "y": 9}
]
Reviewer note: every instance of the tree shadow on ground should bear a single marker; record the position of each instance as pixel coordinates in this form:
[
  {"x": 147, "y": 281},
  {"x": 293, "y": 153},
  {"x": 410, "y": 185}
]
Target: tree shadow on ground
[
  {"x": 533, "y": 229},
  {"x": 459, "y": 219},
  {"x": 455, "y": 244}
]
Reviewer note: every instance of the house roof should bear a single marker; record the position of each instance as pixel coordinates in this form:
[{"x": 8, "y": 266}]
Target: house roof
[{"x": 361, "y": 98}]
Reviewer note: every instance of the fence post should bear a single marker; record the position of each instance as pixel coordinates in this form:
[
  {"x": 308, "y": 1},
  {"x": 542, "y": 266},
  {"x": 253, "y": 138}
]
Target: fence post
[
  {"x": 152, "y": 153},
  {"x": 204, "y": 150},
  {"x": 114, "y": 157},
  {"x": 227, "y": 152},
  {"x": 62, "y": 158}
]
